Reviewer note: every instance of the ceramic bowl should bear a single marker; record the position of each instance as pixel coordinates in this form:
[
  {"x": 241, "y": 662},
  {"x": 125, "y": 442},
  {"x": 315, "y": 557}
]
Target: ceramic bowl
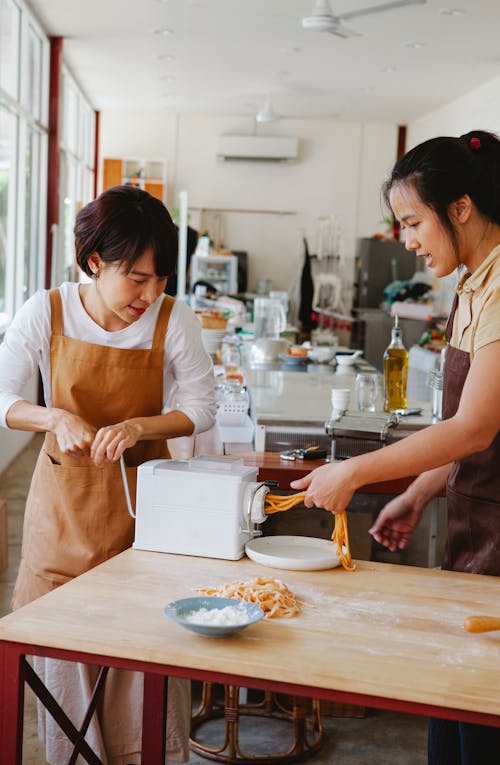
[
  {"x": 267, "y": 350},
  {"x": 179, "y": 610},
  {"x": 321, "y": 354}
]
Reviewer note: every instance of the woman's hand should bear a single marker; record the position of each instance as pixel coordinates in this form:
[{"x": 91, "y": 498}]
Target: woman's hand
[
  {"x": 329, "y": 486},
  {"x": 399, "y": 518},
  {"x": 74, "y": 435},
  {"x": 397, "y": 522},
  {"x": 111, "y": 441}
]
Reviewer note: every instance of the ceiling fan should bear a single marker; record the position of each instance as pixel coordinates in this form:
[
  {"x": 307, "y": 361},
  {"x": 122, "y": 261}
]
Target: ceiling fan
[{"x": 324, "y": 20}]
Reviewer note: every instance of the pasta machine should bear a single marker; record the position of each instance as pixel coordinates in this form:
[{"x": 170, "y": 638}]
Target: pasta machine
[
  {"x": 355, "y": 433},
  {"x": 208, "y": 506}
]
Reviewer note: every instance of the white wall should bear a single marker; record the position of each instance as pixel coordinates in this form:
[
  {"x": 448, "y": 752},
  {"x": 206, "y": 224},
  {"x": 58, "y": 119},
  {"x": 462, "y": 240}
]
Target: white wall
[
  {"x": 340, "y": 170},
  {"x": 477, "y": 110}
]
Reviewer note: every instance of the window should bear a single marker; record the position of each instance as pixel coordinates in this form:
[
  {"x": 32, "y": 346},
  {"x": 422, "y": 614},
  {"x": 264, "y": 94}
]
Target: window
[
  {"x": 24, "y": 59},
  {"x": 10, "y": 47},
  {"x": 8, "y": 186},
  {"x": 76, "y": 172}
]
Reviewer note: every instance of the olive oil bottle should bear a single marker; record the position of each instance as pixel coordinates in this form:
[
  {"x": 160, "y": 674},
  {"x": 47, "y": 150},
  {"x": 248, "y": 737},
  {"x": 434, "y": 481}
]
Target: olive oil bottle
[{"x": 395, "y": 371}]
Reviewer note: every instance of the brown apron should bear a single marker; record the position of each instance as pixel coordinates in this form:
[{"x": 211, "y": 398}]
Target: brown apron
[
  {"x": 76, "y": 515},
  {"x": 473, "y": 490}
]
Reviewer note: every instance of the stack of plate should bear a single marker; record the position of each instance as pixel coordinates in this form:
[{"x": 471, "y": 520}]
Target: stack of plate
[{"x": 212, "y": 339}]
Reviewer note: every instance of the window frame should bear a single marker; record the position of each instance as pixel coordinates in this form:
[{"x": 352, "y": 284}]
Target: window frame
[{"x": 25, "y": 272}]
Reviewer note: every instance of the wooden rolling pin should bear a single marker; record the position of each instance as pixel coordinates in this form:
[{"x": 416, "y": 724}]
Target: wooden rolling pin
[{"x": 482, "y": 623}]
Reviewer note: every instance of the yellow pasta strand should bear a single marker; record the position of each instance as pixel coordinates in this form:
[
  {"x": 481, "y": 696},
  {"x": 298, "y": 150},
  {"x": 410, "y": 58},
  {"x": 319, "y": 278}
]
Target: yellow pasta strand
[
  {"x": 276, "y": 503},
  {"x": 272, "y": 595}
]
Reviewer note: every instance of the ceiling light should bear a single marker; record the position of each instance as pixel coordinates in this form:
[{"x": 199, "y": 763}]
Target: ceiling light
[
  {"x": 453, "y": 11},
  {"x": 164, "y": 32},
  {"x": 167, "y": 78},
  {"x": 389, "y": 69},
  {"x": 165, "y": 57}
]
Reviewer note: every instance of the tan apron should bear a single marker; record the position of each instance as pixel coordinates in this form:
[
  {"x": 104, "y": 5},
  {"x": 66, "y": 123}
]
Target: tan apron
[{"x": 76, "y": 517}]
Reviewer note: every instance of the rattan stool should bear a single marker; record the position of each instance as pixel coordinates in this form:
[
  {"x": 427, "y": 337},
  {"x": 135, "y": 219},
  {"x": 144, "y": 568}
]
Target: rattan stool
[{"x": 303, "y": 716}]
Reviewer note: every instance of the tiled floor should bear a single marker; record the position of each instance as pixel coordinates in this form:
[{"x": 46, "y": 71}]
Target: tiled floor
[{"x": 380, "y": 737}]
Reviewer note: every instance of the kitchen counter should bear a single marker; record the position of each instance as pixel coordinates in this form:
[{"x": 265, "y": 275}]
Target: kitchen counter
[
  {"x": 290, "y": 404},
  {"x": 394, "y": 637}
]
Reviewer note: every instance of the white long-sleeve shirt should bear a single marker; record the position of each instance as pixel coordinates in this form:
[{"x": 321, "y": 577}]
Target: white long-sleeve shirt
[{"x": 187, "y": 373}]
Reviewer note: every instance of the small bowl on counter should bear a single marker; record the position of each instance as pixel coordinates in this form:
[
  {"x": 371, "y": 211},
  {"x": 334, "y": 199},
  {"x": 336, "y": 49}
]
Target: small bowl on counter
[
  {"x": 213, "y": 617},
  {"x": 321, "y": 354}
]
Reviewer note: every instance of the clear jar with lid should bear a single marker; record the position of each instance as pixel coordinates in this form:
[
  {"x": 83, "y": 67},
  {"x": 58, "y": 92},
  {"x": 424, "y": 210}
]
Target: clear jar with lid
[{"x": 231, "y": 358}]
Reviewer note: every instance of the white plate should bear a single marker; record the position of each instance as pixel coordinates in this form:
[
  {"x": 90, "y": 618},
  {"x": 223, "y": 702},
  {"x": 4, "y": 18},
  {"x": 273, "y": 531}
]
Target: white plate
[{"x": 293, "y": 553}]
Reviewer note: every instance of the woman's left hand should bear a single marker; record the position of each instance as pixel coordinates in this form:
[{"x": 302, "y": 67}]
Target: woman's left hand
[
  {"x": 329, "y": 486},
  {"x": 111, "y": 441}
]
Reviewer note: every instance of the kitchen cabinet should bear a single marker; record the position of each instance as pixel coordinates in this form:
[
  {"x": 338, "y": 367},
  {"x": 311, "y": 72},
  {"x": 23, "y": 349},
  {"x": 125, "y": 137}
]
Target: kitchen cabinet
[{"x": 147, "y": 174}]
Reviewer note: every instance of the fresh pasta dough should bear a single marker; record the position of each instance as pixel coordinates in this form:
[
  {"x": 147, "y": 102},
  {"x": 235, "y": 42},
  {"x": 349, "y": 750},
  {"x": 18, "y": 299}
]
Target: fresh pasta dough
[
  {"x": 276, "y": 503},
  {"x": 272, "y": 595}
]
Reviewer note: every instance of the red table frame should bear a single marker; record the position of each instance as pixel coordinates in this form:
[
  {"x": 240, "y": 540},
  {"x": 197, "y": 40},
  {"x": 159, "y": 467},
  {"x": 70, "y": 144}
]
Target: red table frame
[{"x": 14, "y": 673}]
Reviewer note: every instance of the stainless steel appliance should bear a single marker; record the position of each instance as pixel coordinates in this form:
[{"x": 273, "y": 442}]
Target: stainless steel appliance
[{"x": 378, "y": 263}]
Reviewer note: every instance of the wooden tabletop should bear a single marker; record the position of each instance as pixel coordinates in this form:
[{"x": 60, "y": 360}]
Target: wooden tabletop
[{"x": 385, "y": 631}]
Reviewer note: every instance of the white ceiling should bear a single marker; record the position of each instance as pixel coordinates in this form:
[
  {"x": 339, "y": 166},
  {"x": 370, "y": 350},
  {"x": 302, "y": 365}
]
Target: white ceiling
[{"x": 228, "y": 54}]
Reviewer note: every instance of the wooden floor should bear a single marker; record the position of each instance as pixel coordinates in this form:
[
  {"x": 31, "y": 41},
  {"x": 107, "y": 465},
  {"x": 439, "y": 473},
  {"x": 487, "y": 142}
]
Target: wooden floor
[{"x": 380, "y": 737}]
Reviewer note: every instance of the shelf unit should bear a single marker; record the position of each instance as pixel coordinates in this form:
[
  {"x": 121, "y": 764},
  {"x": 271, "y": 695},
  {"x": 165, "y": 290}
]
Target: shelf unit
[
  {"x": 219, "y": 270},
  {"x": 148, "y": 174}
]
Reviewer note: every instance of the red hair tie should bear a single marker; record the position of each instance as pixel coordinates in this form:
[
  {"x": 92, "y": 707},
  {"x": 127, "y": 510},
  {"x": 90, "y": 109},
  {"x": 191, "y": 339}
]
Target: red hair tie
[{"x": 475, "y": 143}]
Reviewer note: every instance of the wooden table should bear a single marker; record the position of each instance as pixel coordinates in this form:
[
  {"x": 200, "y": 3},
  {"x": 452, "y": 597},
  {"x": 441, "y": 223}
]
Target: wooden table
[{"x": 384, "y": 636}]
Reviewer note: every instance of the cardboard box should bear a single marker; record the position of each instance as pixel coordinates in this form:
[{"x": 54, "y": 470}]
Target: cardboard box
[{"x": 4, "y": 536}]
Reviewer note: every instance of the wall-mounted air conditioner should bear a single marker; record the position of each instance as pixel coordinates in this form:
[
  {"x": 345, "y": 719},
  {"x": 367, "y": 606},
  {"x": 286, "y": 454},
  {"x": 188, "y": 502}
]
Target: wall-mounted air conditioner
[{"x": 254, "y": 148}]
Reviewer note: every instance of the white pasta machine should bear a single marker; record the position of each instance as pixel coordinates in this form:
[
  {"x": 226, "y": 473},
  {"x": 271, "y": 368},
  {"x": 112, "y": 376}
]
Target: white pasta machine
[{"x": 208, "y": 506}]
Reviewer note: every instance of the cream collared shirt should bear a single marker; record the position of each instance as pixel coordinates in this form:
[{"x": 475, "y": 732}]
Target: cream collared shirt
[{"x": 477, "y": 319}]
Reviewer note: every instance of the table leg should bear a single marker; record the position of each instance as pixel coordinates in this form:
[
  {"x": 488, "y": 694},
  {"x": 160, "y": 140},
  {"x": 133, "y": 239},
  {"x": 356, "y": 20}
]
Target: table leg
[
  {"x": 154, "y": 717},
  {"x": 11, "y": 705}
]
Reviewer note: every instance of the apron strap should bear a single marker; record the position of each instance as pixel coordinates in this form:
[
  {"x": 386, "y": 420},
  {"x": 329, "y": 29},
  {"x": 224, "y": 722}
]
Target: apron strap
[
  {"x": 56, "y": 312},
  {"x": 162, "y": 323},
  {"x": 449, "y": 324}
]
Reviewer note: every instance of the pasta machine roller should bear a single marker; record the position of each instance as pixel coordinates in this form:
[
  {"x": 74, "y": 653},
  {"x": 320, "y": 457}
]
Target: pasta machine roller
[{"x": 208, "y": 506}]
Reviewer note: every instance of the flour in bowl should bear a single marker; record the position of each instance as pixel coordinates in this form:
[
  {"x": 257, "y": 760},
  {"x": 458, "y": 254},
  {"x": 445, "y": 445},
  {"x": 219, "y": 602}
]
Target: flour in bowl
[{"x": 227, "y": 616}]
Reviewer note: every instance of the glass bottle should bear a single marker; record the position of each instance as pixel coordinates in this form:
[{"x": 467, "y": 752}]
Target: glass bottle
[{"x": 395, "y": 371}]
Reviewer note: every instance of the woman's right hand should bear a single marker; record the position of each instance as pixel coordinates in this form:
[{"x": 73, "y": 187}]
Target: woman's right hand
[
  {"x": 74, "y": 435},
  {"x": 396, "y": 522}
]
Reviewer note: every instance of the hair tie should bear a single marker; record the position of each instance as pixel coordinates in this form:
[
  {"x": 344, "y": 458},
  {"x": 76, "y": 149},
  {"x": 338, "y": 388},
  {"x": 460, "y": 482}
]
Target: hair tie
[{"x": 475, "y": 143}]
